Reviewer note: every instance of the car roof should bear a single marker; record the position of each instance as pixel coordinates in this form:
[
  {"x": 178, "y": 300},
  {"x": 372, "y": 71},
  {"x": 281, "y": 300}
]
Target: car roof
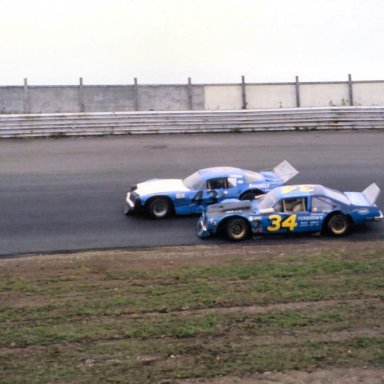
[
  {"x": 214, "y": 172},
  {"x": 301, "y": 190}
]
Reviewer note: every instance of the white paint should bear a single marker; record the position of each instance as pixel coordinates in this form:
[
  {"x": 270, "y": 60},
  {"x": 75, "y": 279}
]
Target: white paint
[{"x": 161, "y": 186}]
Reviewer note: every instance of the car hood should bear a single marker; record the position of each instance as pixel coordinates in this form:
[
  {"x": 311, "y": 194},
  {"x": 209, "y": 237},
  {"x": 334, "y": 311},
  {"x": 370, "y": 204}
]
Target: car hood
[
  {"x": 231, "y": 206},
  {"x": 161, "y": 186}
]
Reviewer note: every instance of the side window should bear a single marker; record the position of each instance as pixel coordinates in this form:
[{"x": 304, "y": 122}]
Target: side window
[
  {"x": 322, "y": 204},
  {"x": 278, "y": 207},
  {"x": 294, "y": 205},
  {"x": 232, "y": 182},
  {"x": 217, "y": 183}
]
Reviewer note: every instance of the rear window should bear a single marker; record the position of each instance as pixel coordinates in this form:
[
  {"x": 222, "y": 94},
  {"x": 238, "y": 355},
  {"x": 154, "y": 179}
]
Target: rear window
[
  {"x": 336, "y": 195},
  {"x": 251, "y": 177}
]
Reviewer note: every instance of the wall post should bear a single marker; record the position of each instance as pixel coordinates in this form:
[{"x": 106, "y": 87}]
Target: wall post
[
  {"x": 297, "y": 91},
  {"x": 26, "y": 108},
  {"x": 189, "y": 90},
  {"x": 135, "y": 94},
  {"x": 81, "y": 95},
  {"x": 243, "y": 94},
  {"x": 350, "y": 90}
]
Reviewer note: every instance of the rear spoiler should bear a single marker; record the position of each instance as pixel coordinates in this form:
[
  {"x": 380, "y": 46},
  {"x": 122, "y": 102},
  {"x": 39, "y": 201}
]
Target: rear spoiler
[
  {"x": 371, "y": 193},
  {"x": 285, "y": 171}
]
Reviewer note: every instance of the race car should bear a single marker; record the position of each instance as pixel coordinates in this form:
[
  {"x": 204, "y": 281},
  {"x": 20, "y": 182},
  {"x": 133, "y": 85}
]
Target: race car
[
  {"x": 162, "y": 197},
  {"x": 291, "y": 209}
]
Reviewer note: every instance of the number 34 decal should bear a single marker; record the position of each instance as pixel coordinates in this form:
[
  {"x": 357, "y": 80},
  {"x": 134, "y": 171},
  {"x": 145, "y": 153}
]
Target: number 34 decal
[{"x": 278, "y": 223}]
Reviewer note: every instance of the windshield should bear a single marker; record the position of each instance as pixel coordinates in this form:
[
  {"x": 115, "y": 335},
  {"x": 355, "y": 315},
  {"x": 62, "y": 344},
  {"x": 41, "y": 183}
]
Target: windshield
[
  {"x": 267, "y": 201},
  {"x": 193, "y": 181}
]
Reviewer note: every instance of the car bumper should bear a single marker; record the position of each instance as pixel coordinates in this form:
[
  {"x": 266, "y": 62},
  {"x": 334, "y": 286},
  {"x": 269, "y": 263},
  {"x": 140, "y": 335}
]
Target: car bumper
[
  {"x": 379, "y": 218},
  {"x": 132, "y": 203},
  {"x": 202, "y": 229}
]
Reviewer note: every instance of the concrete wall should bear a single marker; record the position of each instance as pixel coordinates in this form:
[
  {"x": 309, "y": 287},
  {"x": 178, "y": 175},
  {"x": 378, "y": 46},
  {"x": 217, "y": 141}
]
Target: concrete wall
[
  {"x": 126, "y": 98},
  {"x": 108, "y": 98},
  {"x": 52, "y": 99},
  {"x": 12, "y": 100},
  {"x": 222, "y": 97},
  {"x": 270, "y": 96},
  {"x": 324, "y": 95},
  {"x": 371, "y": 94}
]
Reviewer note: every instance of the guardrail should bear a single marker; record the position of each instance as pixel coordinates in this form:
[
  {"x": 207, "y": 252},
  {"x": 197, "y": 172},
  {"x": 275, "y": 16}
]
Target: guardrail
[{"x": 130, "y": 123}]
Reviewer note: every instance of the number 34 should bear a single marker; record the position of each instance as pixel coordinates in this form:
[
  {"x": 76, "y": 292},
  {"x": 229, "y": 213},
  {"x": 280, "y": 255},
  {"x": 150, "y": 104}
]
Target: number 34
[{"x": 277, "y": 223}]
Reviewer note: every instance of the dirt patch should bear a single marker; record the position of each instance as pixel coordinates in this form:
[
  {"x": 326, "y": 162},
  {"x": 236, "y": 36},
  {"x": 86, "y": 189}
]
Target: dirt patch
[
  {"x": 216, "y": 314},
  {"x": 175, "y": 257},
  {"x": 322, "y": 376}
]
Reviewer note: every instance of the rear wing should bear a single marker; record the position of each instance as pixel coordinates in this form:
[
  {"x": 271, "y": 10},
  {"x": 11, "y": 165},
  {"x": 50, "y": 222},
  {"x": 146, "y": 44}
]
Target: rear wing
[
  {"x": 285, "y": 171},
  {"x": 371, "y": 193}
]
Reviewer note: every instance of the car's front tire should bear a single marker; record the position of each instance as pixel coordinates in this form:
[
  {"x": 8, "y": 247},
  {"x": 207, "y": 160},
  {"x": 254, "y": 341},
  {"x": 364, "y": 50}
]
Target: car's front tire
[
  {"x": 159, "y": 208},
  {"x": 338, "y": 225},
  {"x": 237, "y": 229}
]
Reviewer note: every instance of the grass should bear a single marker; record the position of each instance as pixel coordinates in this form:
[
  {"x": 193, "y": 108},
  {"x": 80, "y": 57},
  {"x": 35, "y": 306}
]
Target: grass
[{"x": 84, "y": 322}]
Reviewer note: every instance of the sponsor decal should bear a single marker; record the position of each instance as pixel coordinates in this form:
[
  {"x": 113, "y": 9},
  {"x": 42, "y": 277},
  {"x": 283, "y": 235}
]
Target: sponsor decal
[{"x": 253, "y": 185}]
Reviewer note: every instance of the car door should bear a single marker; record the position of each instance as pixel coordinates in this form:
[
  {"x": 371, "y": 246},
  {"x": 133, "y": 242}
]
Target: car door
[
  {"x": 211, "y": 192},
  {"x": 290, "y": 215}
]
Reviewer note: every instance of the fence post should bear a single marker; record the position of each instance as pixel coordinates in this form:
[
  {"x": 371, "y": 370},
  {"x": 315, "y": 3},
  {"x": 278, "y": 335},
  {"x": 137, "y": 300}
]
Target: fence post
[
  {"x": 297, "y": 91},
  {"x": 136, "y": 94},
  {"x": 243, "y": 94},
  {"x": 81, "y": 95},
  {"x": 350, "y": 90},
  {"x": 26, "y": 107},
  {"x": 189, "y": 90}
]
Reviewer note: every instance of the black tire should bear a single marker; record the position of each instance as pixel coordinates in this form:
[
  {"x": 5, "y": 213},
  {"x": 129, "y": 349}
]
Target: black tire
[
  {"x": 338, "y": 225},
  {"x": 250, "y": 195},
  {"x": 237, "y": 229},
  {"x": 159, "y": 208}
]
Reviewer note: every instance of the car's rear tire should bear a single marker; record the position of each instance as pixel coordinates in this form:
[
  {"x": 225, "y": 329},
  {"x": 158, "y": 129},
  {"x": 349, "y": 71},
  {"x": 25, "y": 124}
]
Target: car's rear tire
[
  {"x": 250, "y": 195},
  {"x": 338, "y": 225},
  {"x": 237, "y": 229},
  {"x": 159, "y": 208}
]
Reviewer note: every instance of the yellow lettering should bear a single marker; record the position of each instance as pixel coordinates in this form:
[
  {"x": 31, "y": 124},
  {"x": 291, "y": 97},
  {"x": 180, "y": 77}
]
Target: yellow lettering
[
  {"x": 290, "y": 223},
  {"x": 275, "y": 223}
]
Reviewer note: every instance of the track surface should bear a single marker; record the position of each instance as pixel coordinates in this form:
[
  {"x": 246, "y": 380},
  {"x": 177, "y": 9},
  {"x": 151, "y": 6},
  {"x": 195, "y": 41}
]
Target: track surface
[{"x": 68, "y": 194}]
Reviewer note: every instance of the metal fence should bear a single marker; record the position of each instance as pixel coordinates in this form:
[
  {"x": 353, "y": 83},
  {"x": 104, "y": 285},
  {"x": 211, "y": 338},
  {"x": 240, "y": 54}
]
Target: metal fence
[{"x": 131, "y": 123}]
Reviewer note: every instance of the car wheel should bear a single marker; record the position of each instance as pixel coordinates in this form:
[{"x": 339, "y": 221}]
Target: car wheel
[
  {"x": 159, "y": 207},
  {"x": 250, "y": 195},
  {"x": 237, "y": 229},
  {"x": 338, "y": 225}
]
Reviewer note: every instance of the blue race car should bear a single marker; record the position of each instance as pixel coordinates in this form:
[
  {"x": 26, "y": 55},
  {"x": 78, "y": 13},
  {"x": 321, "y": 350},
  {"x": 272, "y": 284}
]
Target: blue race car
[
  {"x": 162, "y": 197},
  {"x": 291, "y": 209}
]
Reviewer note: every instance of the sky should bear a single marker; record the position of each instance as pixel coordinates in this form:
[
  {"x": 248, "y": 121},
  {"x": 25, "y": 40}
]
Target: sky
[{"x": 55, "y": 42}]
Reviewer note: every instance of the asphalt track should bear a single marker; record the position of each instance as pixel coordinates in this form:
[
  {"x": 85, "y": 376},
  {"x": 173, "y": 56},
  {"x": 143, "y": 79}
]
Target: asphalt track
[{"x": 68, "y": 194}]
